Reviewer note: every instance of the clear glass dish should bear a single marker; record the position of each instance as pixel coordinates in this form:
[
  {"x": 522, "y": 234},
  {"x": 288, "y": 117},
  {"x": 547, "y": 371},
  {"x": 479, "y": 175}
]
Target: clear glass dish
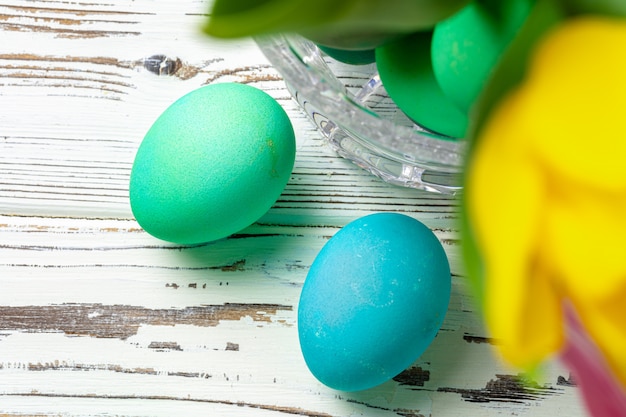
[{"x": 350, "y": 107}]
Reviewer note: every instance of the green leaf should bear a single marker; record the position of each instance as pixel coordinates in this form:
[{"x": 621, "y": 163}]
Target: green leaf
[
  {"x": 240, "y": 18},
  {"x": 327, "y": 20},
  {"x": 607, "y": 7},
  {"x": 512, "y": 66},
  {"x": 509, "y": 72}
]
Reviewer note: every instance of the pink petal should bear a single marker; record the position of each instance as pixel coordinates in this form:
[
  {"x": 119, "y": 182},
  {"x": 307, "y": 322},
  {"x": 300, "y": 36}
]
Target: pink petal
[{"x": 603, "y": 394}]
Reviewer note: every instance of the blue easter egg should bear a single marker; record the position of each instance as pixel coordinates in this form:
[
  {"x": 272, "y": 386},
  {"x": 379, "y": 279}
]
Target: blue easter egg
[{"x": 373, "y": 301}]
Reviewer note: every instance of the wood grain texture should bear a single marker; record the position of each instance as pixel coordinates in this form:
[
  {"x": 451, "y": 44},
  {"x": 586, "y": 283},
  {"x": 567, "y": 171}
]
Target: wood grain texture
[{"x": 99, "y": 318}]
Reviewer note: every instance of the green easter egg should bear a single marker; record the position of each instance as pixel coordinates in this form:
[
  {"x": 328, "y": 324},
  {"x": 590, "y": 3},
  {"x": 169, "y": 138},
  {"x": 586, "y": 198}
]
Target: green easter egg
[
  {"x": 349, "y": 56},
  {"x": 348, "y": 41},
  {"x": 406, "y": 72},
  {"x": 212, "y": 164},
  {"x": 467, "y": 46}
]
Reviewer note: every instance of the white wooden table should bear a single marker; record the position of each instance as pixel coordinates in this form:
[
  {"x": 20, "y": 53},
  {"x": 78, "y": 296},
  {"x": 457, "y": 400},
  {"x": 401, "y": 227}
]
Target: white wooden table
[{"x": 99, "y": 318}]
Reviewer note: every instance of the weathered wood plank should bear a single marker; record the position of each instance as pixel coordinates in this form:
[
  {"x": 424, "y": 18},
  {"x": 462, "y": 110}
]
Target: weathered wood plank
[{"x": 112, "y": 304}]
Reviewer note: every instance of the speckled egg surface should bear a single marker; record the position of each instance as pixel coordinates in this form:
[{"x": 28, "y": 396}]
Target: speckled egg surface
[
  {"x": 373, "y": 301},
  {"x": 467, "y": 46},
  {"x": 212, "y": 164}
]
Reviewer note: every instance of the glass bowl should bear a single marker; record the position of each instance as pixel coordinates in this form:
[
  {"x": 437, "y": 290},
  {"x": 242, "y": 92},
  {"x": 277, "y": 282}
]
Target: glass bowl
[{"x": 349, "y": 105}]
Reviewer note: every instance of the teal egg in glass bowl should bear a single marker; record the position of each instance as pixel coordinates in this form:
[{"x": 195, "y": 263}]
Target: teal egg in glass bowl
[{"x": 350, "y": 106}]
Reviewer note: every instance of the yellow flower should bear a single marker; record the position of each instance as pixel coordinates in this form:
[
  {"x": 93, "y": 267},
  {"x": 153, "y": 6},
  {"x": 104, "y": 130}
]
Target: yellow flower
[{"x": 546, "y": 196}]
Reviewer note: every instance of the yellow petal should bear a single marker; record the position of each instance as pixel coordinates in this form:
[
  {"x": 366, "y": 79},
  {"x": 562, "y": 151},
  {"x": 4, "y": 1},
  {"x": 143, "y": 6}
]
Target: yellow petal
[
  {"x": 606, "y": 324},
  {"x": 505, "y": 193},
  {"x": 576, "y": 93},
  {"x": 584, "y": 240}
]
